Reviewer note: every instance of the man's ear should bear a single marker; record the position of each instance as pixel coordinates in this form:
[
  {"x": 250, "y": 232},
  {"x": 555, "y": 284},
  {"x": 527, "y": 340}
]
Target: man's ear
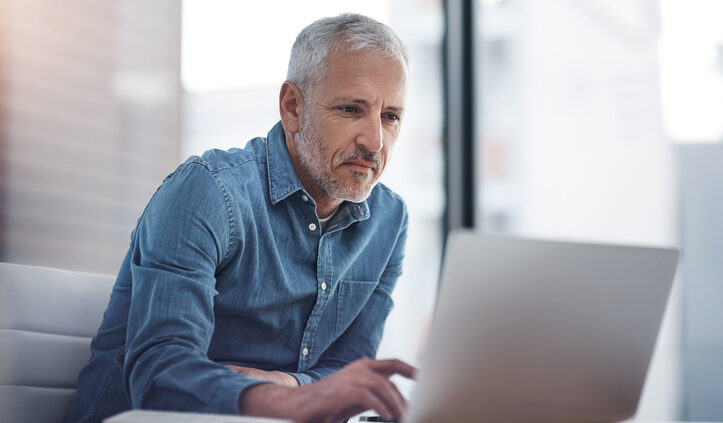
[{"x": 291, "y": 106}]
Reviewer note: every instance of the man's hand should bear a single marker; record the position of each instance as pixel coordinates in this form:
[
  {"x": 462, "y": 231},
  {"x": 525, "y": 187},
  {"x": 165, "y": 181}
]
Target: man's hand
[
  {"x": 360, "y": 386},
  {"x": 279, "y": 378}
]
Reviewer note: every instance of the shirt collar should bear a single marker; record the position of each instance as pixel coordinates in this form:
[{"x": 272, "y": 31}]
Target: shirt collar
[
  {"x": 282, "y": 176},
  {"x": 283, "y": 180}
]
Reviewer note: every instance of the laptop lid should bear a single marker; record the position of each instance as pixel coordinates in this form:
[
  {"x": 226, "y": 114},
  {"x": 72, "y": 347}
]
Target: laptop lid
[{"x": 531, "y": 330}]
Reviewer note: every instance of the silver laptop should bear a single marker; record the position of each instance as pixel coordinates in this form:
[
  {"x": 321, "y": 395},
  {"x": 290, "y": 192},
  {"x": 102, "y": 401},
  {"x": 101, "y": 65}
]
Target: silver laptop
[{"x": 539, "y": 331}]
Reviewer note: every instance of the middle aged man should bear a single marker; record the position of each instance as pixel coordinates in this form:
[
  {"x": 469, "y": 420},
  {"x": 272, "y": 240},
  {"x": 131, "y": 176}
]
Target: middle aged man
[{"x": 254, "y": 271}]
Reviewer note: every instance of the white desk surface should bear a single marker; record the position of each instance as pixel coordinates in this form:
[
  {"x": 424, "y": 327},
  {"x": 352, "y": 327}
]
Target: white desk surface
[{"x": 145, "y": 416}]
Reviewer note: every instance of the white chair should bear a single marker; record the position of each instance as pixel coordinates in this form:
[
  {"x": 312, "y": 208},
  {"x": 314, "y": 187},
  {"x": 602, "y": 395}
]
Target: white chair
[{"x": 47, "y": 318}]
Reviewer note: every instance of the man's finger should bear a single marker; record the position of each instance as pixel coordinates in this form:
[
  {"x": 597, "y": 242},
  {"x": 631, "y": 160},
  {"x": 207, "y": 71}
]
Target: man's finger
[
  {"x": 387, "y": 392},
  {"x": 372, "y": 402},
  {"x": 400, "y": 396},
  {"x": 393, "y": 366}
]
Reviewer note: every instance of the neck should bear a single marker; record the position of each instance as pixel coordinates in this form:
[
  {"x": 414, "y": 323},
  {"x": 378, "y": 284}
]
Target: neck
[{"x": 325, "y": 210}]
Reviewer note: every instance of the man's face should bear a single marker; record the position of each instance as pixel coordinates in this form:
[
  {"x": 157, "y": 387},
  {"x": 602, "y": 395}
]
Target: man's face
[{"x": 350, "y": 123}]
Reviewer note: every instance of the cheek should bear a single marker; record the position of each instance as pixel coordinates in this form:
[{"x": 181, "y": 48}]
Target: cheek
[
  {"x": 390, "y": 136},
  {"x": 385, "y": 156},
  {"x": 388, "y": 147}
]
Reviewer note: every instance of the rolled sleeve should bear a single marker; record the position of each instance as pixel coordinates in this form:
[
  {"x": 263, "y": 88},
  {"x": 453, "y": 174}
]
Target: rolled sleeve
[{"x": 302, "y": 378}]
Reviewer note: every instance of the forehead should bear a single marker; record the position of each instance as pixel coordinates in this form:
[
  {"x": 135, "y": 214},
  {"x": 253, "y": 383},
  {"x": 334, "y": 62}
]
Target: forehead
[{"x": 367, "y": 76}]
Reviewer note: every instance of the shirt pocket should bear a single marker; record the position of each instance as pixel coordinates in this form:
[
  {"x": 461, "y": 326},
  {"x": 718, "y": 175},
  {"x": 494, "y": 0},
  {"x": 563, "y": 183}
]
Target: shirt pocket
[{"x": 353, "y": 295}]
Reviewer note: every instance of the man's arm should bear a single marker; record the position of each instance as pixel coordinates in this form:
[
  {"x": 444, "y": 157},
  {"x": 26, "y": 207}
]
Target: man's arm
[
  {"x": 360, "y": 386},
  {"x": 182, "y": 237},
  {"x": 273, "y": 376}
]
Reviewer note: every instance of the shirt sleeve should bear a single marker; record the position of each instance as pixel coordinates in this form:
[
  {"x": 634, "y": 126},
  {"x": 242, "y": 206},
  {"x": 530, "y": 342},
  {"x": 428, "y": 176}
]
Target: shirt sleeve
[
  {"x": 183, "y": 236},
  {"x": 363, "y": 336}
]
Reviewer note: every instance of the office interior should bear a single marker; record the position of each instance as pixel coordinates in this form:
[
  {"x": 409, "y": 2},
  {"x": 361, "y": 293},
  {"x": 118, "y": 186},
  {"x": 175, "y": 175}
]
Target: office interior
[{"x": 591, "y": 120}]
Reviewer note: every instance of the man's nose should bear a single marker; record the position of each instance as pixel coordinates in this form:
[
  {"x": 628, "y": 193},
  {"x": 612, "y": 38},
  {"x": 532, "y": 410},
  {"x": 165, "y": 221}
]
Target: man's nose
[{"x": 371, "y": 136}]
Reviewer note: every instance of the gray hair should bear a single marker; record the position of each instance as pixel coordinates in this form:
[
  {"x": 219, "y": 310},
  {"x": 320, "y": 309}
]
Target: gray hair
[{"x": 354, "y": 32}]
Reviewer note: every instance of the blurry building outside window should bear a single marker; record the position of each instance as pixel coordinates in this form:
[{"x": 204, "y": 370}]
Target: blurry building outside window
[{"x": 582, "y": 104}]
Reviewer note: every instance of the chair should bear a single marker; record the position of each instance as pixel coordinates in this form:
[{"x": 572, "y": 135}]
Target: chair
[{"x": 47, "y": 317}]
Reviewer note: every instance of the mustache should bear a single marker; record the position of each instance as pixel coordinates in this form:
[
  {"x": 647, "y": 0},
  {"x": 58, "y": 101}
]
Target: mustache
[{"x": 363, "y": 154}]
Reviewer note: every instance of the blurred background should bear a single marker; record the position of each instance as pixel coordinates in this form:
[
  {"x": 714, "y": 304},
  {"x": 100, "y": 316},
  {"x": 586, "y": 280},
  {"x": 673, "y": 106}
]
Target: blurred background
[{"x": 595, "y": 120}]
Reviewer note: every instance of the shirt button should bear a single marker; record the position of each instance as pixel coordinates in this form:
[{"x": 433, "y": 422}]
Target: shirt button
[
  {"x": 304, "y": 197},
  {"x": 312, "y": 226},
  {"x": 323, "y": 286},
  {"x": 305, "y": 352}
]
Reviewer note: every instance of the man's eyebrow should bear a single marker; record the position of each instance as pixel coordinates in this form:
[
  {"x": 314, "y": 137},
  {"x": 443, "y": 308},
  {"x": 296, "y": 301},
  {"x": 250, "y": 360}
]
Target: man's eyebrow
[{"x": 363, "y": 102}]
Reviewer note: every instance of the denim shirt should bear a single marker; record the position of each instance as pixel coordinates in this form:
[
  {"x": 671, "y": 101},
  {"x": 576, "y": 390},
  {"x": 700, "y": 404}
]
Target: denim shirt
[{"x": 228, "y": 264}]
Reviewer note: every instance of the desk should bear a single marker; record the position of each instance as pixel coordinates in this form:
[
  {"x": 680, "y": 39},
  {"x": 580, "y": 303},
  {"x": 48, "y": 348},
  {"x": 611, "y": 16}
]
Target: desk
[{"x": 143, "y": 416}]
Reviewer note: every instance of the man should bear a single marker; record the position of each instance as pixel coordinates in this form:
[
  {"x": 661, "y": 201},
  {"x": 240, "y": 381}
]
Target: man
[{"x": 258, "y": 280}]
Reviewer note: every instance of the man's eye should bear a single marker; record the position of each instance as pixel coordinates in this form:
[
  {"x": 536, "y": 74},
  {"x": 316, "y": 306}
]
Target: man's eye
[
  {"x": 392, "y": 117},
  {"x": 348, "y": 109}
]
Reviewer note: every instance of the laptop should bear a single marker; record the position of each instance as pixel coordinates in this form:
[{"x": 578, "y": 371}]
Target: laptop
[{"x": 541, "y": 331}]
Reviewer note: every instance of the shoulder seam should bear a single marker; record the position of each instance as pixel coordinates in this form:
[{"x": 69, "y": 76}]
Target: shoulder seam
[
  {"x": 214, "y": 170},
  {"x": 232, "y": 224}
]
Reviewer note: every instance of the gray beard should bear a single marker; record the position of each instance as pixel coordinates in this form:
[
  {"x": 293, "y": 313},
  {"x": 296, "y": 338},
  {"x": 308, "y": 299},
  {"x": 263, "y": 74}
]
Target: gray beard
[{"x": 313, "y": 154}]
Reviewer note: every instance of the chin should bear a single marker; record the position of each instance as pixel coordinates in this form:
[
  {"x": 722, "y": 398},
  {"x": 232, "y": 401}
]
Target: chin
[
  {"x": 359, "y": 199},
  {"x": 361, "y": 195},
  {"x": 356, "y": 196}
]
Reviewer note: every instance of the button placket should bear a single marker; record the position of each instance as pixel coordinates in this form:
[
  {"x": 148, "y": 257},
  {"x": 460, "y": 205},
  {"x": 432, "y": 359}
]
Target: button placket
[{"x": 324, "y": 274}]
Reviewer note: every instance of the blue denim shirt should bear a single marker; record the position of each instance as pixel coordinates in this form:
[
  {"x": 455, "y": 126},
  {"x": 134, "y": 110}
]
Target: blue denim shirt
[{"x": 228, "y": 264}]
